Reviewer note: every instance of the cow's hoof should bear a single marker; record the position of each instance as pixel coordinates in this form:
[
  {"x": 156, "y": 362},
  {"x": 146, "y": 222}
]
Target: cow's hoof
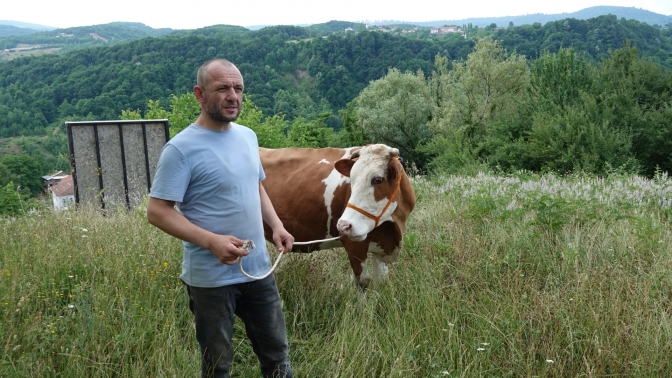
[{"x": 362, "y": 282}]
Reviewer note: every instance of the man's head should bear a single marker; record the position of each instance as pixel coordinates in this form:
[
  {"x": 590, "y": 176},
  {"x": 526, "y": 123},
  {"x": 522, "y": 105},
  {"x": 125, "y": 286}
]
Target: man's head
[{"x": 219, "y": 89}]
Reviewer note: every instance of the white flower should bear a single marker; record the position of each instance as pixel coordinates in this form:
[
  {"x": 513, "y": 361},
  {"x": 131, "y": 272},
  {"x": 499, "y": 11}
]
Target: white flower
[{"x": 550, "y": 361}]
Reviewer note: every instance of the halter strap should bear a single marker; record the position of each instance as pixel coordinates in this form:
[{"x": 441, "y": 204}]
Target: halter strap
[{"x": 389, "y": 202}]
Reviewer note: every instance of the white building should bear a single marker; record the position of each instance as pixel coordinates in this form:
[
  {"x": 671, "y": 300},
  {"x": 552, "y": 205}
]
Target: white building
[{"x": 63, "y": 193}]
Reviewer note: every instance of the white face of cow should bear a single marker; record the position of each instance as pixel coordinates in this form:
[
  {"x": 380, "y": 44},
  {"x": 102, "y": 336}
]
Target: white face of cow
[{"x": 369, "y": 174}]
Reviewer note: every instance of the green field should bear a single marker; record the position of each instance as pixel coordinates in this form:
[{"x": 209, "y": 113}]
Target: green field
[{"x": 520, "y": 276}]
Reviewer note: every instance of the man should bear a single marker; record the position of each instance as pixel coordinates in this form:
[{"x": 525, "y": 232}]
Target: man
[{"x": 212, "y": 171}]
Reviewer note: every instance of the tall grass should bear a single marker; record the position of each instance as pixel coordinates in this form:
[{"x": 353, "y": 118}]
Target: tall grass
[{"x": 521, "y": 275}]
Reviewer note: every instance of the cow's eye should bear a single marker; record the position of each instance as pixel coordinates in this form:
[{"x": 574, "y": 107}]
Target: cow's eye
[{"x": 376, "y": 180}]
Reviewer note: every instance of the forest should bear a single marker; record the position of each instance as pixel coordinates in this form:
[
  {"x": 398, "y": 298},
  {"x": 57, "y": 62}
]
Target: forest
[{"x": 571, "y": 95}]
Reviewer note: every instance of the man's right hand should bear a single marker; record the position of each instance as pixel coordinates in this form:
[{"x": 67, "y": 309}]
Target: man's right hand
[
  {"x": 227, "y": 248},
  {"x": 162, "y": 214}
]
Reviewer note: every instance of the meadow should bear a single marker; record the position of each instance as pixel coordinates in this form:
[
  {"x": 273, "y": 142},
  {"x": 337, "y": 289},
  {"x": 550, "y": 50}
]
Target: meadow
[{"x": 501, "y": 276}]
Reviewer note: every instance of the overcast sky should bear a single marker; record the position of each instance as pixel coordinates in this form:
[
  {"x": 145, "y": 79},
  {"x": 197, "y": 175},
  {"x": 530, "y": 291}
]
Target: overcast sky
[{"x": 195, "y": 14}]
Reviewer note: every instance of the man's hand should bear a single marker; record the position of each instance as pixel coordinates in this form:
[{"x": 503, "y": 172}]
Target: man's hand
[
  {"x": 283, "y": 240},
  {"x": 227, "y": 248}
]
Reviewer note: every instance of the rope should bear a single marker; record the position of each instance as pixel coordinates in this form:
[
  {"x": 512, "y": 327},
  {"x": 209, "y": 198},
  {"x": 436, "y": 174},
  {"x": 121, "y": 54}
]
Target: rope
[{"x": 249, "y": 244}]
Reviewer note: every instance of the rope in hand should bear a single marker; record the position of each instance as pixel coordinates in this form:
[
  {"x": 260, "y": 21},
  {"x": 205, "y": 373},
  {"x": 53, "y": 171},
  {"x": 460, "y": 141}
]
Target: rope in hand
[{"x": 249, "y": 244}]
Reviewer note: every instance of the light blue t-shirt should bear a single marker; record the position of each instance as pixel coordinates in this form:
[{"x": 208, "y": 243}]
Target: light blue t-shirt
[{"x": 214, "y": 176}]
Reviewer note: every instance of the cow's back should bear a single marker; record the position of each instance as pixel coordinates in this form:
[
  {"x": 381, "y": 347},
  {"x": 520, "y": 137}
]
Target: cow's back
[{"x": 308, "y": 194}]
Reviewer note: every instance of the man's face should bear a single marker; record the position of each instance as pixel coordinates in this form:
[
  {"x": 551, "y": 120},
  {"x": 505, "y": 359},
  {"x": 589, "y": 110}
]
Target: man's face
[{"x": 223, "y": 93}]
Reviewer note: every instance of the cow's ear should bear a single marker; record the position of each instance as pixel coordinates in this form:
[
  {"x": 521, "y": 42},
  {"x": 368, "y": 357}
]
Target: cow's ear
[
  {"x": 344, "y": 166},
  {"x": 394, "y": 168}
]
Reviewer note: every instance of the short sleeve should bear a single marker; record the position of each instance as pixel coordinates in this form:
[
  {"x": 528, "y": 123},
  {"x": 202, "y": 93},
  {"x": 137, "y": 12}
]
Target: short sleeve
[{"x": 172, "y": 175}]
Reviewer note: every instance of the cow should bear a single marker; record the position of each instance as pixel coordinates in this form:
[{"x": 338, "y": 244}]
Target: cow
[{"x": 361, "y": 194}]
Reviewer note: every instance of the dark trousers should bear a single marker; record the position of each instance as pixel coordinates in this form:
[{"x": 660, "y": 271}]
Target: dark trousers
[{"x": 259, "y": 306}]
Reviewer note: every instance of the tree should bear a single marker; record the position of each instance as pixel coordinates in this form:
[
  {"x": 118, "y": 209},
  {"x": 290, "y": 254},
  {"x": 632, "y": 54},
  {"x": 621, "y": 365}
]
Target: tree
[
  {"x": 27, "y": 170},
  {"x": 184, "y": 110},
  {"x": 310, "y": 134},
  {"x": 474, "y": 95},
  {"x": 565, "y": 124},
  {"x": 395, "y": 110},
  {"x": 11, "y": 199},
  {"x": 269, "y": 130}
]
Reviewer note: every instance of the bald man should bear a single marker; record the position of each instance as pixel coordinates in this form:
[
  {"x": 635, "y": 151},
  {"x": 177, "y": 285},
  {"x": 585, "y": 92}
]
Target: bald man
[{"x": 212, "y": 171}]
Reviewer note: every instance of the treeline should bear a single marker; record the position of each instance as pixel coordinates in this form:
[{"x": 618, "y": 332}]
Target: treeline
[
  {"x": 559, "y": 113},
  {"x": 81, "y": 36},
  {"x": 314, "y": 90}
]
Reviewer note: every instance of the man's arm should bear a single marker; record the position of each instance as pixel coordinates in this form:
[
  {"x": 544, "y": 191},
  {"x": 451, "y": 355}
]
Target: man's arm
[
  {"x": 283, "y": 240},
  {"x": 162, "y": 214}
]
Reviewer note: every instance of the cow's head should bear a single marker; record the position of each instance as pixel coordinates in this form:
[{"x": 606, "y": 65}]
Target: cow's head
[{"x": 375, "y": 179}]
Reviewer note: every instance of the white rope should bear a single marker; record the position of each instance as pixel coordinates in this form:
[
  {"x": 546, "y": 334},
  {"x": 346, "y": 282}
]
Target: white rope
[{"x": 249, "y": 244}]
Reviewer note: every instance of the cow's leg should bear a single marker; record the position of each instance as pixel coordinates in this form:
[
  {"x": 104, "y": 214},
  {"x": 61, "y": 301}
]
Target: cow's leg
[
  {"x": 378, "y": 267},
  {"x": 357, "y": 253}
]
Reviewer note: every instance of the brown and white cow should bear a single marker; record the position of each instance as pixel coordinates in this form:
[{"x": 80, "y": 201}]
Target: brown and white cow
[{"x": 361, "y": 193}]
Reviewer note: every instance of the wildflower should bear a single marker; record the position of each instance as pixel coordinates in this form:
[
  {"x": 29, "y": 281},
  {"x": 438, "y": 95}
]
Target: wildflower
[
  {"x": 550, "y": 361},
  {"x": 71, "y": 306}
]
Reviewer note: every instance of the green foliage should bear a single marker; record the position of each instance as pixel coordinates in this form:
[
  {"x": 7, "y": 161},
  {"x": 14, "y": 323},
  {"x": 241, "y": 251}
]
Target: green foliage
[
  {"x": 14, "y": 202},
  {"x": 84, "y": 36},
  {"x": 472, "y": 96},
  {"x": 603, "y": 114},
  {"x": 352, "y": 133},
  {"x": 11, "y": 199},
  {"x": 395, "y": 110},
  {"x": 269, "y": 130},
  {"x": 131, "y": 114},
  {"x": 291, "y": 72},
  {"x": 184, "y": 110},
  {"x": 310, "y": 134},
  {"x": 27, "y": 171}
]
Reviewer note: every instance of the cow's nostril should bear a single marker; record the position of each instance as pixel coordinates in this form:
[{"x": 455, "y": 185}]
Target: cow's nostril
[{"x": 344, "y": 227}]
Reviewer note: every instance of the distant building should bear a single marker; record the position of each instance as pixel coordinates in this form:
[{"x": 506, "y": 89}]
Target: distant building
[
  {"x": 446, "y": 29},
  {"x": 52, "y": 179},
  {"x": 63, "y": 193}
]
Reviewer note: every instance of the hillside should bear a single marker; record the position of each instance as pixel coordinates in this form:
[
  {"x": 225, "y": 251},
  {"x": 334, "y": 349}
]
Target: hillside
[
  {"x": 629, "y": 13},
  {"x": 62, "y": 40},
  {"x": 9, "y": 30},
  {"x": 26, "y": 25},
  {"x": 288, "y": 70}
]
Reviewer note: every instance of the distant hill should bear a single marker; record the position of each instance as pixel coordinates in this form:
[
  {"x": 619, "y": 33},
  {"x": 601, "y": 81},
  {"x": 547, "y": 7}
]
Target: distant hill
[
  {"x": 61, "y": 40},
  {"x": 26, "y": 25},
  {"x": 628, "y": 13},
  {"x": 9, "y": 30}
]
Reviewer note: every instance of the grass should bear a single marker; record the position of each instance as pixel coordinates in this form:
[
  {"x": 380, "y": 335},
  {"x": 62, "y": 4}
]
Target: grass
[{"x": 521, "y": 275}]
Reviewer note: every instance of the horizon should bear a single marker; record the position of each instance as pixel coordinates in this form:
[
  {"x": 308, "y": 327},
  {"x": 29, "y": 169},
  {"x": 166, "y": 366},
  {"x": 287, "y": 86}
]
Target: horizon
[{"x": 157, "y": 15}]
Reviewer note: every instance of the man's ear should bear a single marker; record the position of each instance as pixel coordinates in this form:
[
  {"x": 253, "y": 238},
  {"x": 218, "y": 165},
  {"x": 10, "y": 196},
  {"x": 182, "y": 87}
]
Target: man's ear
[
  {"x": 344, "y": 166},
  {"x": 200, "y": 94}
]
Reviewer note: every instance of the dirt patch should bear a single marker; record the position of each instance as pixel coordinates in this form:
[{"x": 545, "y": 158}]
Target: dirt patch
[{"x": 96, "y": 36}]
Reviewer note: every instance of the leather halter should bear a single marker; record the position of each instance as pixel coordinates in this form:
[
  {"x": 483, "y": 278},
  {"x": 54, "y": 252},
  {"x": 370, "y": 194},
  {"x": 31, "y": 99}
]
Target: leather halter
[{"x": 389, "y": 202}]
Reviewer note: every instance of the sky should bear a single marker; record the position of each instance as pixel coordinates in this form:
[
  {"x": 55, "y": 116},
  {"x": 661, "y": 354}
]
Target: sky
[{"x": 200, "y": 13}]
